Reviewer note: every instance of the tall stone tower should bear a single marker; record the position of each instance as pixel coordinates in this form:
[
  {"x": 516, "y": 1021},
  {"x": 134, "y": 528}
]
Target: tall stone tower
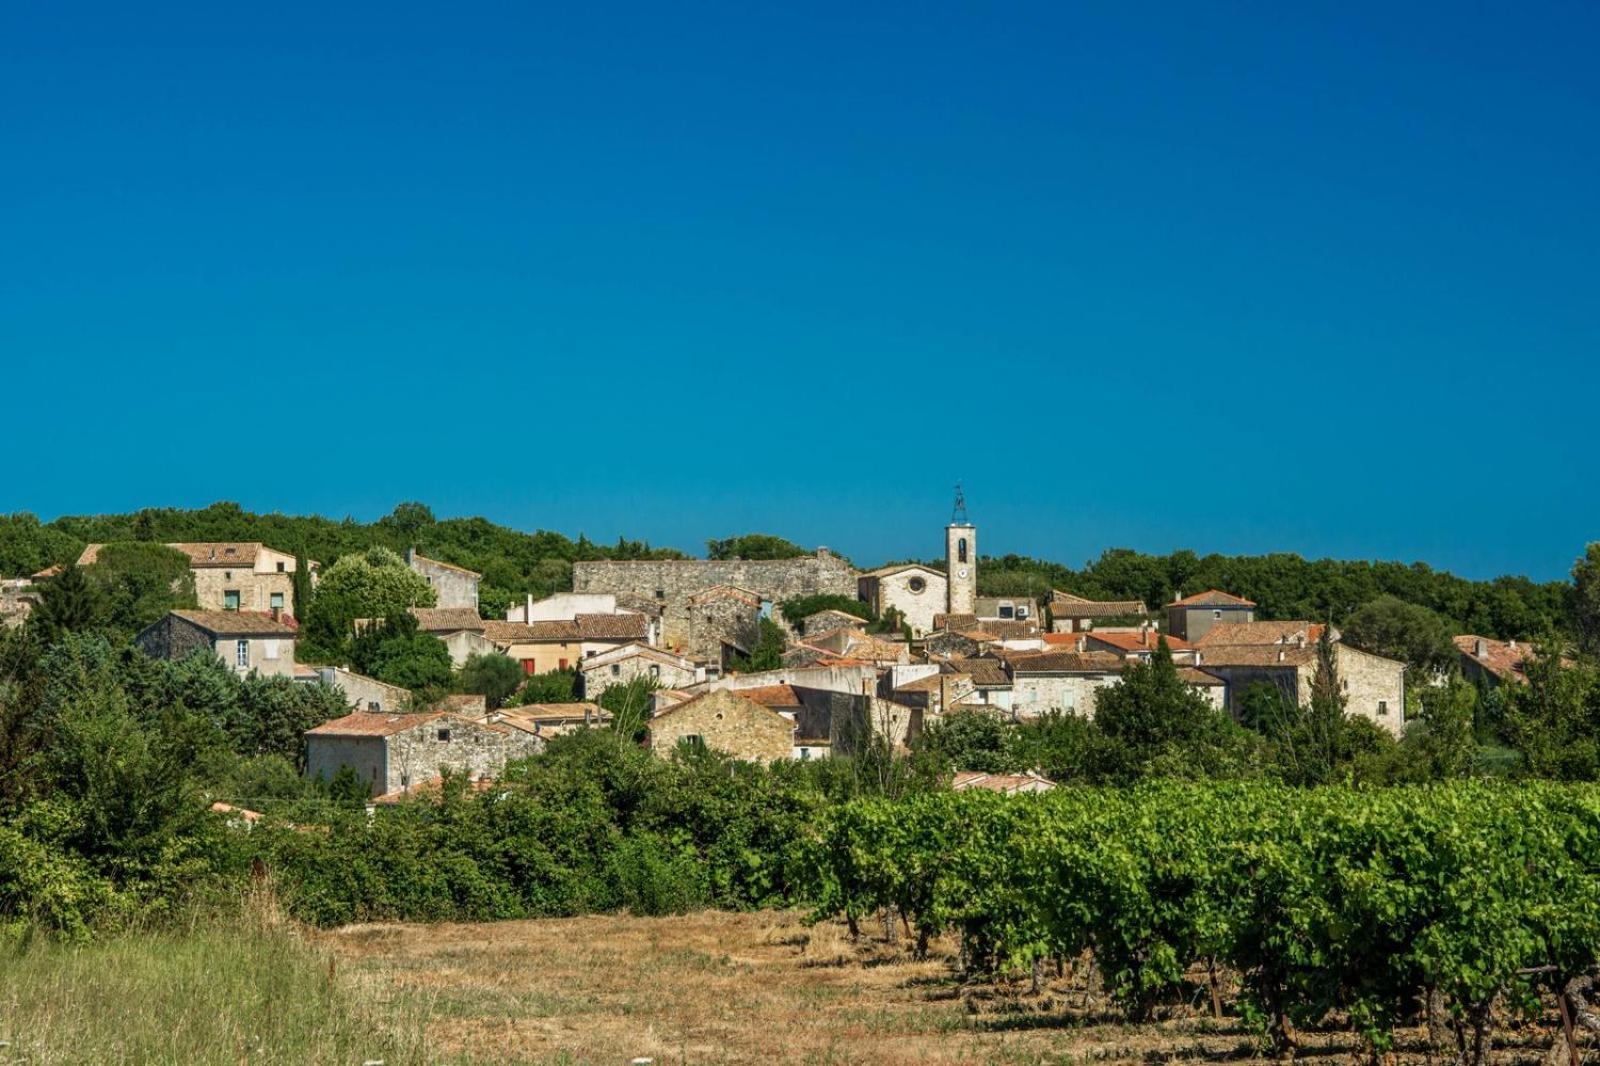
[{"x": 961, "y": 559}]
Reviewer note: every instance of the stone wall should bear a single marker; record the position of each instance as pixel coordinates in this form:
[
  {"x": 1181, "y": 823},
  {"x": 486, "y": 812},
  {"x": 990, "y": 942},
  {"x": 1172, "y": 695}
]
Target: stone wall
[
  {"x": 671, "y": 581},
  {"x": 453, "y": 585},
  {"x": 173, "y": 638},
  {"x": 367, "y": 693},
  {"x": 1033, "y": 695},
  {"x": 700, "y": 630},
  {"x": 419, "y": 753},
  {"x": 1374, "y": 687},
  {"x": 726, "y": 722},
  {"x": 365, "y": 755},
  {"x": 918, "y": 594},
  {"x": 597, "y": 677},
  {"x": 256, "y": 591}
]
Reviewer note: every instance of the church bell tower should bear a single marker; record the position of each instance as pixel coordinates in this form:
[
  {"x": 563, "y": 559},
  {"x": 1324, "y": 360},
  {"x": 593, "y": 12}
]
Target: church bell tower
[{"x": 961, "y": 558}]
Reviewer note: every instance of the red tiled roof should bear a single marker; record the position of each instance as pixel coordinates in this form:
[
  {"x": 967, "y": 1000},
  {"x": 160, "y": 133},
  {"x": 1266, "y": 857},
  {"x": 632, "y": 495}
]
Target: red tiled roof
[
  {"x": 771, "y": 695},
  {"x": 239, "y": 623},
  {"x": 1259, "y": 633},
  {"x": 1147, "y": 640},
  {"x": 1212, "y": 598},
  {"x": 1505, "y": 659},
  {"x": 368, "y": 724}
]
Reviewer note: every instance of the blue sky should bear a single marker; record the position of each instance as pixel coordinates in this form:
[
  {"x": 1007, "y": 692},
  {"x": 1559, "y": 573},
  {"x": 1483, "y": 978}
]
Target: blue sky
[{"x": 1239, "y": 278}]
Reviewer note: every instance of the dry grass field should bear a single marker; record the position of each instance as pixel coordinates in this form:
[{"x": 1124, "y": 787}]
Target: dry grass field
[{"x": 763, "y": 987}]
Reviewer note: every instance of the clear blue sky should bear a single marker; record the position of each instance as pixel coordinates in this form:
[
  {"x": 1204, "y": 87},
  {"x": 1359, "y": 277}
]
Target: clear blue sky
[{"x": 1318, "y": 278}]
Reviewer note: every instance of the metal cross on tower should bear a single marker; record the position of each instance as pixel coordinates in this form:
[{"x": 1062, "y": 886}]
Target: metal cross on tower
[{"x": 958, "y": 517}]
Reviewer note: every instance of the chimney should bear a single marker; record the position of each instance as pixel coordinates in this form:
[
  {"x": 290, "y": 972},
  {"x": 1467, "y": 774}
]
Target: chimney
[
  {"x": 1511, "y": 644},
  {"x": 1280, "y": 655},
  {"x": 1480, "y": 648}
]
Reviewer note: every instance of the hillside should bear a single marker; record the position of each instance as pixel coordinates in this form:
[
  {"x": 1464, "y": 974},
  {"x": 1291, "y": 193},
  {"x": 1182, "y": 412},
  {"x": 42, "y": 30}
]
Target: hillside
[{"x": 514, "y": 563}]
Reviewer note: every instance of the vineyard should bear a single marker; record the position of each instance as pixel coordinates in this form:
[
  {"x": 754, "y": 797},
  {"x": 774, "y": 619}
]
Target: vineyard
[{"x": 1458, "y": 907}]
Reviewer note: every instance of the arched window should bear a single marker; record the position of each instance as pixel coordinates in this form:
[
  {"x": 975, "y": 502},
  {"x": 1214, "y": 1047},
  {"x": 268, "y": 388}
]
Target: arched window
[{"x": 961, "y": 550}]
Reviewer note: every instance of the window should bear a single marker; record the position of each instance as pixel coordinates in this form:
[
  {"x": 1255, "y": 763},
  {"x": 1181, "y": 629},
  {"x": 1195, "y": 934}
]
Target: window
[
  {"x": 1383, "y": 708},
  {"x": 916, "y": 584},
  {"x": 961, "y": 550},
  {"x": 527, "y": 668},
  {"x": 275, "y": 601},
  {"x": 373, "y": 706},
  {"x": 563, "y": 664},
  {"x": 805, "y": 753},
  {"x": 1007, "y": 611},
  {"x": 655, "y": 671},
  {"x": 694, "y": 742},
  {"x": 444, "y": 735},
  {"x": 1216, "y": 615},
  {"x": 280, "y": 568},
  {"x": 616, "y": 670},
  {"x": 241, "y": 653},
  {"x": 661, "y": 594},
  {"x": 269, "y": 649},
  {"x": 230, "y": 600}
]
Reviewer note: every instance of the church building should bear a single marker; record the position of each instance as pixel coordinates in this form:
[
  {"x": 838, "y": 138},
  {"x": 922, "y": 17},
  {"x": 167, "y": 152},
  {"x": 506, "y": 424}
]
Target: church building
[{"x": 920, "y": 592}]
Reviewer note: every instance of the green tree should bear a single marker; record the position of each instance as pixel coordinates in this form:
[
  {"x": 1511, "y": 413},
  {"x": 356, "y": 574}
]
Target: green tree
[
  {"x": 66, "y": 605},
  {"x": 796, "y": 610},
  {"x": 393, "y": 650},
  {"x": 768, "y": 652},
  {"x": 303, "y": 587},
  {"x": 135, "y": 583},
  {"x": 1586, "y": 599},
  {"x": 1153, "y": 724},
  {"x": 969, "y": 740},
  {"x": 1416, "y": 636},
  {"x": 493, "y": 676},
  {"x": 552, "y": 686},
  {"x": 1554, "y": 720},
  {"x": 754, "y": 546},
  {"x": 372, "y": 584}
]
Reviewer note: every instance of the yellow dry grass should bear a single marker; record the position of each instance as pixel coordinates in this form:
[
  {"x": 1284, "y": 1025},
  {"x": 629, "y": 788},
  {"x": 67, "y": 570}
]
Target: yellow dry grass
[
  {"x": 731, "y": 988},
  {"x": 764, "y": 987}
]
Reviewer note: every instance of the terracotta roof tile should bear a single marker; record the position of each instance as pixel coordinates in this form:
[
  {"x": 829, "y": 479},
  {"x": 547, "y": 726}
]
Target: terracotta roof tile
[
  {"x": 1259, "y": 633},
  {"x": 368, "y": 724},
  {"x": 238, "y": 623},
  {"x": 447, "y": 619},
  {"x": 1212, "y": 598}
]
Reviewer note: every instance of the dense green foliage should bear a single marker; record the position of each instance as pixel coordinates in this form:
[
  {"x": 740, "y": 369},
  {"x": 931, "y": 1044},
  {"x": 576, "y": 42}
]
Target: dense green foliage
[
  {"x": 491, "y": 675},
  {"x": 1326, "y": 899},
  {"x": 1287, "y": 586},
  {"x": 754, "y": 546},
  {"x": 372, "y": 584},
  {"x": 393, "y": 650},
  {"x": 797, "y": 610},
  {"x": 768, "y": 652},
  {"x": 1407, "y": 632}
]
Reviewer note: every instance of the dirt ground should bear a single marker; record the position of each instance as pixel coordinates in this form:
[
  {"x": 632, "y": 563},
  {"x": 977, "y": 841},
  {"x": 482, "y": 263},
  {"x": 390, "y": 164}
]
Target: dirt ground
[{"x": 764, "y": 987}]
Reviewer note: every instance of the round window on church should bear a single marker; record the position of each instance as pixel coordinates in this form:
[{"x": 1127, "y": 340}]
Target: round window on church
[{"x": 916, "y": 584}]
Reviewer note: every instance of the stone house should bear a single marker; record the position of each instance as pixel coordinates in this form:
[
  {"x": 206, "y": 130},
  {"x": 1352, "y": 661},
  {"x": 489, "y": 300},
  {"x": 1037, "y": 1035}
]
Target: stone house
[
  {"x": 396, "y": 752},
  {"x": 818, "y": 623},
  {"x": 365, "y": 693},
  {"x": 233, "y": 575},
  {"x": 1373, "y": 686},
  {"x": 1491, "y": 662},
  {"x": 18, "y": 597},
  {"x": 243, "y": 640},
  {"x": 918, "y": 592},
  {"x": 1061, "y": 681},
  {"x": 632, "y": 662},
  {"x": 567, "y": 606},
  {"x": 812, "y": 739},
  {"x": 554, "y": 719},
  {"x": 727, "y": 722},
  {"x": 934, "y": 694},
  {"x": 1190, "y": 617},
  {"x": 1136, "y": 645},
  {"x": 714, "y": 625},
  {"x": 460, "y": 628},
  {"x": 540, "y": 647},
  {"x": 860, "y": 646},
  {"x": 1075, "y": 614},
  {"x": 453, "y": 586}
]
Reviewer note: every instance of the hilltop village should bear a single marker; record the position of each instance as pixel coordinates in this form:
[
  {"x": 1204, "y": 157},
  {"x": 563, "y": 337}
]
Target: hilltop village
[{"x": 762, "y": 659}]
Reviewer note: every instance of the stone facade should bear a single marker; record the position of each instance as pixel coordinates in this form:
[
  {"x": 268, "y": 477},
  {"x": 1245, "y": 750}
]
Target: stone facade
[
  {"x": 244, "y": 642},
  {"x": 727, "y": 722},
  {"x": 633, "y": 662},
  {"x": 916, "y": 591},
  {"x": 233, "y": 575},
  {"x": 713, "y": 625},
  {"x": 455, "y": 586},
  {"x": 17, "y": 598},
  {"x": 1373, "y": 687},
  {"x": 1034, "y": 694},
  {"x": 396, "y": 752},
  {"x": 821, "y": 623},
  {"x": 365, "y": 693}
]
